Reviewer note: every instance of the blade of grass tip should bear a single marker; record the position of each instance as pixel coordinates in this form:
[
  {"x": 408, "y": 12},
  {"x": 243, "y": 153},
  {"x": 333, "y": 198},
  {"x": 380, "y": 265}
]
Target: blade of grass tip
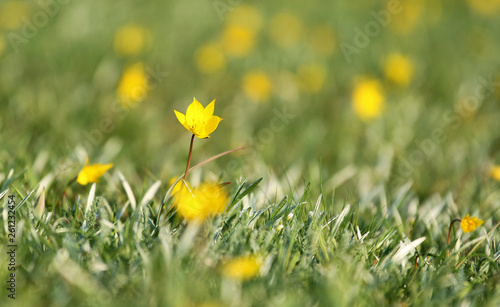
[
  {"x": 128, "y": 190},
  {"x": 90, "y": 200},
  {"x": 4, "y": 193},
  {"x": 406, "y": 249},
  {"x": 148, "y": 196},
  {"x": 24, "y": 199},
  {"x": 40, "y": 206},
  {"x": 250, "y": 188},
  {"x": 475, "y": 246}
]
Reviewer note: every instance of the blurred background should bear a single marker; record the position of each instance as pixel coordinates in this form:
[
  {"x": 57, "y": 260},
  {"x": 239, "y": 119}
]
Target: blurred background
[{"x": 347, "y": 92}]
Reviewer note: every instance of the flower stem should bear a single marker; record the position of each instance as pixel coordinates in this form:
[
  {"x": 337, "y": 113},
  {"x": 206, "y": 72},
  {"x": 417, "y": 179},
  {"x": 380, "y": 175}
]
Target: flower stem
[
  {"x": 189, "y": 159},
  {"x": 451, "y": 228},
  {"x": 449, "y": 234}
]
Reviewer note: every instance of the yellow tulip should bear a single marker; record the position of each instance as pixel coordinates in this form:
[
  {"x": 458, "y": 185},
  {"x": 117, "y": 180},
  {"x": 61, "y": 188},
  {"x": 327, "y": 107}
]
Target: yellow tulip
[
  {"x": 200, "y": 203},
  {"x": 198, "y": 120},
  {"x": 469, "y": 224},
  {"x": 92, "y": 173}
]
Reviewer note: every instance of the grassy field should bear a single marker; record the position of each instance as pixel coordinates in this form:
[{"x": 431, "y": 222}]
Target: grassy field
[{"x": 370, "y": 130}]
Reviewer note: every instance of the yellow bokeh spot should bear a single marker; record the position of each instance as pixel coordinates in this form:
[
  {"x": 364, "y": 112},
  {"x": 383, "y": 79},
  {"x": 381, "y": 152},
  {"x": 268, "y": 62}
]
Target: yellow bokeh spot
[
  {"x": 485, "y": 7},
  {"x": 238, "y": 41},
  {"x": 1, "y": 44},
  {"x": 133, "y": 86},
  {"x": 131, "y": 40},
  {"x": 257, "y": 86},
  {"x": 495, "y": 173},
  {"x": 13, "y": 14},
  {"x": 322, "y": 39},
  {"x": 210, "y": 58},
  {"x": 286, "y": 29},
  {"x": 245, "y": 16},
  {"x": 242, "y": 268},
  {"x": 368, "y": 99},
  {"x": 311, "y": 78},
  {"x": 398, "y": 69},
  {"x": 405, "y": 21}
]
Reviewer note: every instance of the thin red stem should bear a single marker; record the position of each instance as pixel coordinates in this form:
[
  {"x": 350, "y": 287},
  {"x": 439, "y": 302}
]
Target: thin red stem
[{"x": 189, "y": 158}]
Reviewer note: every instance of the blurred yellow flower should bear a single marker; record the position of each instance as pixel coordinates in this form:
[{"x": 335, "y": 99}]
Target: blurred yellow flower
[
  {"x": 469, "y": 224},
  {"x": 245, "y": 16},
  {"x": 368, "y": 99},
  {"x": 286, "y": 29},
  {"x": 198, "y": 120},
  {"x": 238, "y": 41},
  {"x": 398, "y": 69},
  {"x": 257, "y": 86},
  {"x": 485, "y": 7},
  {"x": 210, "y": 58},
  {"x": 242, "y": 268},
  {"x": 13, "y": 14},
  {"x": 133, "y": 86},
  {"x": 311, "y": 78},
  {"x": 92, "y": 173},
  {"x": 405, "y": 22},
  {"x": 322, "y": 39},
  {"x": 495, "y": 172},
  {"x": 1, "y": 44},
  {"x": 200, "y": 203},
  {"x": 177, "y": 186},
  {"x": 131, "y": 40}
]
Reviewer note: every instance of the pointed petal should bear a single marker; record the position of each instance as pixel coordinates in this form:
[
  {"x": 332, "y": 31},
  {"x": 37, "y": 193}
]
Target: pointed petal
[
  {"x": 82, "y": 178},
  {"x": 209, "y": 110},
  {"x": 182, "y": 119},
  {"x": 195, "y": 113},
  {"x": 212, "y": 124}
]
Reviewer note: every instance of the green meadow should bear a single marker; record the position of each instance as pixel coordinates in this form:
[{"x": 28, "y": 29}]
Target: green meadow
[{"x": 338, "y": 153}]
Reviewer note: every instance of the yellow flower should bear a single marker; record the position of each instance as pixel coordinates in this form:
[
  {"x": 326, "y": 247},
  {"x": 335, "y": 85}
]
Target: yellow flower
[
  {"x": 485, "y": 7},
  {"x": 133, "y": 86},
  {"x": 1, "y": 44},
  {"x": 177, "y": 186},
  {"x": 200, "y": 203},
  {"x": 468, "y": 223},
  {"x": 238, "y": 41},
  {"x": 368, "y": 99},
  {"x": 405, "y": 21},
  {"x": 92, "y": 173},
  {"x": 398, "y": 69},
  {"x": 495, "y": 173},
  {"x": 245, "y": 16},
  {"x": 322, "y": 39},
  {"x": 286, "y": 29},
  {"x": 242, "y": 268},
  {"x": 131, "y": 40},
  {"x": 200, "y": 121},
  {"x": 210, "y": 58},
  {"x": 311, "y": 78},
  {"x": 257, "y": 86},
  {"x": 13, "y": 14}
]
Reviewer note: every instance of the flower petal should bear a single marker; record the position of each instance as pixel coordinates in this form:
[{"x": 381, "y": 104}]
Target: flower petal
[
  {"x": 82, "y": 178},
  {"x": 212, "y": 124},
  {"x": 209, "y": 110},
  {"x": 195, "y": 113},
  {"x": 182, "y": 119}
]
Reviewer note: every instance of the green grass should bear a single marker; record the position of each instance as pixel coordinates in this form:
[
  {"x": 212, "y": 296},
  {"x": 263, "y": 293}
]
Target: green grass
[{"x": 329, "y": 252}]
